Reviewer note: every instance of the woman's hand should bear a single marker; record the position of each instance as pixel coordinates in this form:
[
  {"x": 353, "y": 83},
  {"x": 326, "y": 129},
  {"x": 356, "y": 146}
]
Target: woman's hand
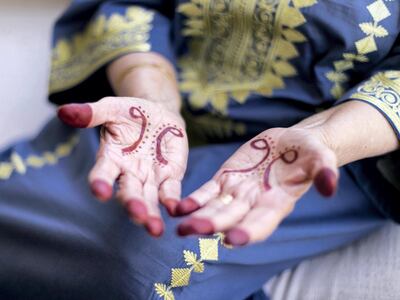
[
  {"x": 143, "y": 146},
  {"x": 258, "y": 186}
]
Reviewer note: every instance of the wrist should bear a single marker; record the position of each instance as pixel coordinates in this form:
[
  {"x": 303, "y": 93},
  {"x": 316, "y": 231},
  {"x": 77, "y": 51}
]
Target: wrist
[
  {"x": 152, "y": 85},
  {"x": 317, "y": 126},
  {"x": 147, "y": 76}
]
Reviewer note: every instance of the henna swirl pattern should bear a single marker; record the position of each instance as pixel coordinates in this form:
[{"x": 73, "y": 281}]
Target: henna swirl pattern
[
  {"x": 288, "y": 157},
  {"x": 259, "y": 144},
  {"x": 136, "y": 113},
  {"x": 170, "y": 129}
]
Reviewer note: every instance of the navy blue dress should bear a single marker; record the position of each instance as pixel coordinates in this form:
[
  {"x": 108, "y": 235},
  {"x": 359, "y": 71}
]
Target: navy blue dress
[{"x": 244, "y": 67}]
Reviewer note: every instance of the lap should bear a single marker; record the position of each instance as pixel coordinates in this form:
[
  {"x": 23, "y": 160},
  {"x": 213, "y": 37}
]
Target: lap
[{"x": 56, "y": 239}]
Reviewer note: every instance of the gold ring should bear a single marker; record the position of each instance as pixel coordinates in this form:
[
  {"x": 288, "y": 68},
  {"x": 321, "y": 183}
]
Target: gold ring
[{"x": 226, "y": 199}]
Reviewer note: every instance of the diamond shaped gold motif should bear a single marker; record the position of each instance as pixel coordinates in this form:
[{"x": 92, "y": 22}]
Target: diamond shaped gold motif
[
  {"x": 180, "y": 277},
  {"x": 366, "y": 45},
  {"x": 379, "y": 10},
  {"x": 208, "y": 249}
]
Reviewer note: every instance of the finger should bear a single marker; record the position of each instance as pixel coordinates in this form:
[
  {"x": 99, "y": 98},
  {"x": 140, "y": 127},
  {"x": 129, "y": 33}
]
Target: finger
[
  {"x": 214, "y": 220},
  {"x": 263, "y": 218},
  {"x": 76, "y": 115},
  {"x": 217, "y": 215},
  {"x": 102, "y": 177},
  {"x": 200, "y": 221},
  {"x": 154, "y": 223},
  {"x": 326, "y": 182},
  {"x": 88, "y": 114},
  {"x": 131, "y": 195},
  {"x": 257, "y": 226},
  {"x": 169, "y": 194},
  {"x": 325, "y": 174},
  {"x": 198, "y": 198}
]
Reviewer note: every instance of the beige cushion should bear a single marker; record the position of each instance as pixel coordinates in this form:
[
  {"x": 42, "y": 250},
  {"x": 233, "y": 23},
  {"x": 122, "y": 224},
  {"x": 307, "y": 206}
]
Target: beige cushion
[{"x": 366, "y": 270}]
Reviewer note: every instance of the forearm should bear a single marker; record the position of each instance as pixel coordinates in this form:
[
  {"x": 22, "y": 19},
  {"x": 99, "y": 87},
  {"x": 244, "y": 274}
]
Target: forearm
[
  {"x": 145, "y": 75},
  {"x": 354, "y": 130}
]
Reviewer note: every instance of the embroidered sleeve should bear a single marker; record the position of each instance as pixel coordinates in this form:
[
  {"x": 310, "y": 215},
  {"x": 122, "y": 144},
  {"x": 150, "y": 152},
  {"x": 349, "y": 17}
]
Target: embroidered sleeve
[
  {"x": 383, "y": 92},
  {"x": 88, "y": 36}
]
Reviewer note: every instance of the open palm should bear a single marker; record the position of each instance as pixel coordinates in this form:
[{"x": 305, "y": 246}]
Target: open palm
[
  {"x": 259, "y": 185},
  {"x": 143, "y": 146}
]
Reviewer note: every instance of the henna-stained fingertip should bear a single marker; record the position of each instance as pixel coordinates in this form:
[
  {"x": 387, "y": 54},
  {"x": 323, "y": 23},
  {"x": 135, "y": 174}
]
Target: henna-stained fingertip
[
  {"x": 195, "y": 226},
  {"x": 155, "y": 226},
  {"x": 326, "y": 182},
  {"x": 236, "y": 237},
  {"x": 171, "y": 205},
  {"x": 76, "y": 115},
  {"x": 136, "y": 210},
  {"x": 186, "y": 207},
  {"x": 101, "y": 189}
]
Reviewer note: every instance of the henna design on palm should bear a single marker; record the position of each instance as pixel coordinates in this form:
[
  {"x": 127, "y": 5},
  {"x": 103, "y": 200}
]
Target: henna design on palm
[
  {"x": 164, "y": 130},
  {"x": 264, "y": 166},
  {"x": 137, "y": 113}
]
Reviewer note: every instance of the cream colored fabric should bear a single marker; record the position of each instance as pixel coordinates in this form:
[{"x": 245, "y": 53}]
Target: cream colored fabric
[{"x": 366, "y": 270}]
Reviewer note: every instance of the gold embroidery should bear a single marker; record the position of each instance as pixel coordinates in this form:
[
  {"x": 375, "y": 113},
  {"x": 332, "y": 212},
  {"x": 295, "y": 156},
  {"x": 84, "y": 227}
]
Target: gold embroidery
[
  {"x": 239, "y": 47},
  {"x": 379, "y": 12},
  {"x": 103, "y": 39},
  {"x": 191, "y": 260},
  {"x": 383, "y": 91},
  {"x": 20, "y": 165},
  {"x": 180, "y": 277},
  {"x": 202, "y": 127}
]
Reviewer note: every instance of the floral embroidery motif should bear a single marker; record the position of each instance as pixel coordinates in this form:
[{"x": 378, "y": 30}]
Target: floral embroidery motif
[
  {"x": 103, "y": 39},
  {"x": 373, "y": 30},
  {"x": 239, "y": 47},
  {"x": 383, "y": 91},
  {"x": 20, "y": 165},
  {"x": 180, "y": 277}
]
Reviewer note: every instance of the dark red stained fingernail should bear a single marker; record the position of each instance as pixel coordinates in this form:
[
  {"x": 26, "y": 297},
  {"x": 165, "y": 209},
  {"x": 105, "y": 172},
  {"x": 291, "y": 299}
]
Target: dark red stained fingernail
[
  {"x": 326, "y": 182},
  {"x": 236, "y": 237},
  {"x": 170, "y": 205},
  {"x": 76, "y": 115},
  {"x": 101, "y": 189},
  {"x": 186, "y": 206},
  {"x": 137, "y": 210},
  {"x": 154, "y": 226},
  {"x": 195, "y": 226}
]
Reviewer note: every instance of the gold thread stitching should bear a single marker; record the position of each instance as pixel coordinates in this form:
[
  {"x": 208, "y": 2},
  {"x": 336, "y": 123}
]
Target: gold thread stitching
[
  {"x": 383, "y": 91},
  {"x": 239, "y": 47},
  {"x": 379, "y": 12},
  {"x": 75, "y": 59},
  {"x": 195, "y": 262},
  {"x": 20, "y": 165}
]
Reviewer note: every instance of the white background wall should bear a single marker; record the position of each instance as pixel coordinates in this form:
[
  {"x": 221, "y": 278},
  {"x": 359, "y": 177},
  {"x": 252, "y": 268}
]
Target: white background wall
[{"x": 25, "y": 28}]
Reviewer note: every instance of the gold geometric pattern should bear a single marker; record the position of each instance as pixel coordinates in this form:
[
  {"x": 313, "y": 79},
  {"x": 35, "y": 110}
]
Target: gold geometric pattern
[
  {"x": 238, "y": 47},
  {"x": 103, "y": 39},
  {"x": 20, "y": 165},
  {"x": 383, "y": 91},
  {"x": 208, "y": 249},
  {"x": 366, "y": 45},
  {"x": 180, "y": 277}
]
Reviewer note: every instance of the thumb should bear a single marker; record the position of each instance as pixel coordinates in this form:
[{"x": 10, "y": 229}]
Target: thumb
[
  {"x": 87, "y": 114},
  {"x": 325, "y": 174}
]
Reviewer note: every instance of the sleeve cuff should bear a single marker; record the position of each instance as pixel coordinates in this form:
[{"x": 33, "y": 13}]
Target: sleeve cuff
[
  {"x": 104, "y": 39},
  {"x": 383, "y": 92}
]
